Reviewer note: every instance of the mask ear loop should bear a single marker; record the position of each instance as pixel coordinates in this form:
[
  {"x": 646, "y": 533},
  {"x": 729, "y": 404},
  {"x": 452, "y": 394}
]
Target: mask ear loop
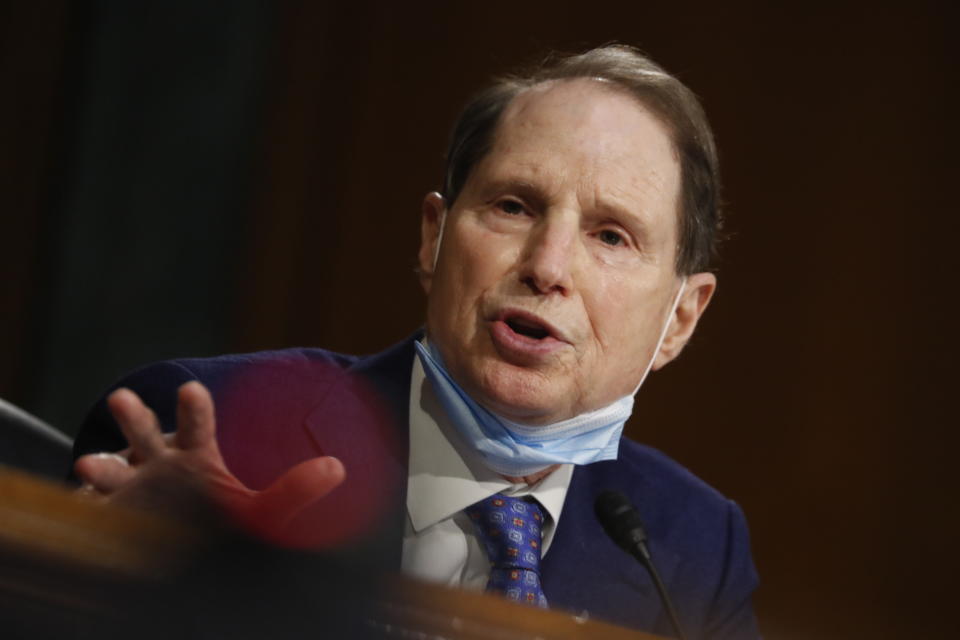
[
  {"x": 663, "y": 334},
  {"x": 436, "y": 250}
]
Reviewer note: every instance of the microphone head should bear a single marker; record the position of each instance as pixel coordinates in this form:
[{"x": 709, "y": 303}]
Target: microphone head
[{"x": 621, "y": 520}]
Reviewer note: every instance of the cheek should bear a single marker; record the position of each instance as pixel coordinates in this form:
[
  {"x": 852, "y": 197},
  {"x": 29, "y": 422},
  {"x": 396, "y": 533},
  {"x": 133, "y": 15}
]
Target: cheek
[
  {"x": 478, "y": 258},
  {"x": 469, "y": 265},
  {"x": 622, "y": 315}
]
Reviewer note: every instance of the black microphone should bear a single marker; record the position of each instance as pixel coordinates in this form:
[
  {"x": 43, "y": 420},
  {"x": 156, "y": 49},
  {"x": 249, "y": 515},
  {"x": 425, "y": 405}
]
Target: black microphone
[{"x": 621, "y": 521}]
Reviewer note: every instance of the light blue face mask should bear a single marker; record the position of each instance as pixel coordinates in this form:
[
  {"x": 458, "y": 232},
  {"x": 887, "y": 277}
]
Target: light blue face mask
[{"x": 514, "y": 449}]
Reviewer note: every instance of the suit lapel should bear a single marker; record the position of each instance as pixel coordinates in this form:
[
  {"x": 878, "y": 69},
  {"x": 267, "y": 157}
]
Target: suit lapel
[{"x": 364, "y": 420}]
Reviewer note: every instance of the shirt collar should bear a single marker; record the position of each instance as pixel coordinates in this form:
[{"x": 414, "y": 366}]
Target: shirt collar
[{"x": 445, "y": 475}]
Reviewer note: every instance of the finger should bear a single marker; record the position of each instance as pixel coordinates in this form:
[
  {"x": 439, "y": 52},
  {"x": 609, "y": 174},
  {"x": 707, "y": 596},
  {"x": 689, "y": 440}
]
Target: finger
[
  {"x": 88, "y": 492},
  {"x": 138, "y": 423},
  {"x": 297, "y": 489},
  {"x": 105, "y": 472},
  {"x": 196, "y": 421}
]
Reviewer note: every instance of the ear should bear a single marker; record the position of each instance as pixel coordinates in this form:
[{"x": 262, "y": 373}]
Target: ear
[
  {"x": 693, "y": 302},
  {"x": 433, "y": 211}
]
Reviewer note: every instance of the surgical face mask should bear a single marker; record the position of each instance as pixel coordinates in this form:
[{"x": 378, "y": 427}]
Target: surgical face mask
[{"x": 514, "y": 449}]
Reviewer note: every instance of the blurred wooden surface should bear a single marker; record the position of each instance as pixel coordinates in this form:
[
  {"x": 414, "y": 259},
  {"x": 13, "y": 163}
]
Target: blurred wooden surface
[
  {"x": 71, "y": 564},
  {"x": 64, "y": 556},
  {"x": 55, "y": 524},
  {"x": 412, "y": 607}
]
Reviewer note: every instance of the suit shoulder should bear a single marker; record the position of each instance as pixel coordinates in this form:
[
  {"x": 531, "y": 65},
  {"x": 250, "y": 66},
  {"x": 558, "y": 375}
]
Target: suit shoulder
[
  {"x": 651, "y": 467},
  {"x": 285, "y": 372},
  {"x": 670, "y": 498},
  {"x": 299, "y": 359}
]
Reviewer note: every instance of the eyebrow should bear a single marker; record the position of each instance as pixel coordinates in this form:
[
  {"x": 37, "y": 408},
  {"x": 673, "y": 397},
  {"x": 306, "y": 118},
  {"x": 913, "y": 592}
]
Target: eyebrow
[
  {"x": 525, "y": 189},
  {"x": 512, "y": 184},
  {"x": 606, "y": 209}
]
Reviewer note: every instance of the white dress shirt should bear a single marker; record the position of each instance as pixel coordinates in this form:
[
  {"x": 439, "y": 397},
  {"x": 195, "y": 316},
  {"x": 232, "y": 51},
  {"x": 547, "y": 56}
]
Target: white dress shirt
[{"x": 444, "y": 477}]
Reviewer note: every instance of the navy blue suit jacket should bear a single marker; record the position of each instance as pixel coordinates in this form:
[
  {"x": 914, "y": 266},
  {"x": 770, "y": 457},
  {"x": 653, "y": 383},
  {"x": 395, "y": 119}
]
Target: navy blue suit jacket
[{"x": 277, "y": 408}]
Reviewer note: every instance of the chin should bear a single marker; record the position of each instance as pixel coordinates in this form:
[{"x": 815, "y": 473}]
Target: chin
[{"x": 521, "y": 395}]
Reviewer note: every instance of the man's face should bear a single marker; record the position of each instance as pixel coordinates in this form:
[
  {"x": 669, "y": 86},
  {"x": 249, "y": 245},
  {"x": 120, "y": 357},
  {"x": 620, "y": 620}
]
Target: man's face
[{"x": 555, "y": 273}]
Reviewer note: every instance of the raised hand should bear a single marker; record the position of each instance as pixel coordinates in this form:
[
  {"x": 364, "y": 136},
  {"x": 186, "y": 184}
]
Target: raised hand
[{"x": 139, "y": 476}]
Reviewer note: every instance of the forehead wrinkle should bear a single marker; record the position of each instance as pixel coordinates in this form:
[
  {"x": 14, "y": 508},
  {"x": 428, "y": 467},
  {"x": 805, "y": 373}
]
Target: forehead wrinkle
[
  {"x": 588, "y": 121},
  {"x": 629, "y": 192},
  {"x": 529, "y": 175},
  {"x": 644, "y": 190},
  {"x": 529, "y": 144}
]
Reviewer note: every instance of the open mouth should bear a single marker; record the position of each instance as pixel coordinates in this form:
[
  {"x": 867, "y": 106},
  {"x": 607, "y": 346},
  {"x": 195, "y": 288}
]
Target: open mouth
[
  {"x": 527, "y": 327},
  {"x": 525, "y": 339}
]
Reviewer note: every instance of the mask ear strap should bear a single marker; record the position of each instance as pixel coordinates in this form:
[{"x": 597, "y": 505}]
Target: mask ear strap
[
  {"x": 663, "y": 333},
  {"x": 443, "y": 223}
]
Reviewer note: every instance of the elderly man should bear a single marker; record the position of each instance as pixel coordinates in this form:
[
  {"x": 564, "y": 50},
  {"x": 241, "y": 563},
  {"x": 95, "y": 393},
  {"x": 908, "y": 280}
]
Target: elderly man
[{"x": 567, "y": 257}]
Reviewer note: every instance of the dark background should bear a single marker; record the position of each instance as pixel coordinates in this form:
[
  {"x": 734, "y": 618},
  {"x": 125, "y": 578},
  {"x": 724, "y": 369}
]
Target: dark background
[{"x": 190, "y": 178}]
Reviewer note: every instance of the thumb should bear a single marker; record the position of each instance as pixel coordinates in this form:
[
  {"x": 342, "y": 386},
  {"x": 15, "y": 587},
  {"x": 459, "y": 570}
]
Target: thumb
[{"x": 294, "y": 491}]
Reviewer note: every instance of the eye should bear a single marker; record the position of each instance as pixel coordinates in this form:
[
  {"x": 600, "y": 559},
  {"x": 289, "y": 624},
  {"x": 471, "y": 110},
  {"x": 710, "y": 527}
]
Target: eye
[
  {"x": 610, "y": 237},
  {"x": 511, "y": 207}
]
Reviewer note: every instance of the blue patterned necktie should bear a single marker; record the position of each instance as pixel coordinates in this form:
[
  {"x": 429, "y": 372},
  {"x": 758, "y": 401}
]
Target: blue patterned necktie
[{"x": 509, "y": 529}]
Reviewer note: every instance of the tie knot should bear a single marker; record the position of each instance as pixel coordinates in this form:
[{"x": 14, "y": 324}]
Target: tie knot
[{"x": 510, "y": 530}]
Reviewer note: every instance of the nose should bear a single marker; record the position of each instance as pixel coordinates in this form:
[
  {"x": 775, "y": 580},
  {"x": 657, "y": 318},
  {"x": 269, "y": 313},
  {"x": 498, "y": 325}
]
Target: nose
[{"x": 549, "y": 255}]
